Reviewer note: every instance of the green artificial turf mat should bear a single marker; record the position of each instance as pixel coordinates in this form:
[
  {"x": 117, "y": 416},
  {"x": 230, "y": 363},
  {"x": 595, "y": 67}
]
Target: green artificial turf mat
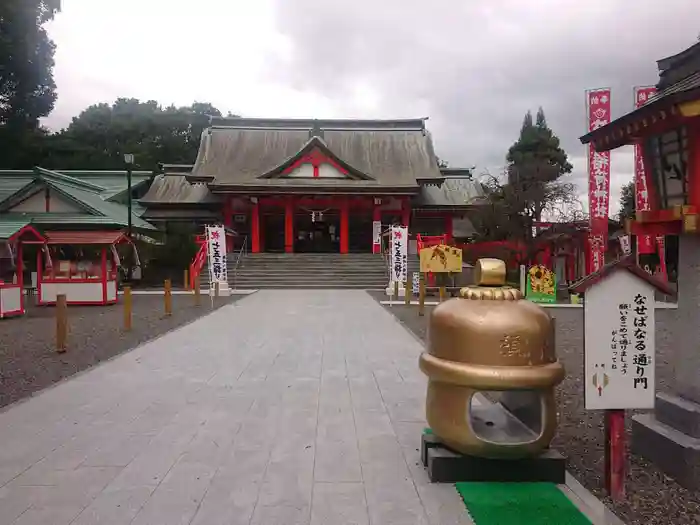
[{"x": 519, "y": 504}]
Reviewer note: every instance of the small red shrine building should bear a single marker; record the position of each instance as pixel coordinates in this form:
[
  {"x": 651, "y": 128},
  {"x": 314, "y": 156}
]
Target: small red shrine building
[
  {"x": 668, "y": 128},
  {"x": 305, "y": 185}
]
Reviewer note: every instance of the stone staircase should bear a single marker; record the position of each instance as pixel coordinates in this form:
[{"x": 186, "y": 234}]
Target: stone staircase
[{"x": 363, "y": 271}]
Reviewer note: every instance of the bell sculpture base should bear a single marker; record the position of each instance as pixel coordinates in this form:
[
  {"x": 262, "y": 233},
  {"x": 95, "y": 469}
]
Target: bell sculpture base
[{"x": 447, "y": 466}]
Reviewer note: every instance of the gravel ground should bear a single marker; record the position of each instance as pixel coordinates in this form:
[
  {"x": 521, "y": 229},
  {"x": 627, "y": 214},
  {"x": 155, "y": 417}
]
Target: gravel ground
[
  {"x": 28, "y": 358},
  {"x": 652, "y": 497}
]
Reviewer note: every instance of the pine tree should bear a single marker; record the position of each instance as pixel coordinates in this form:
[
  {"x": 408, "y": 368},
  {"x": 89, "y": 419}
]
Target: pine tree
[{"x": 535, "y": 163}]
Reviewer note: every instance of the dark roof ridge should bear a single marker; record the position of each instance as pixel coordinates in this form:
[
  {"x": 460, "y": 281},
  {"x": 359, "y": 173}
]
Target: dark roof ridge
[
  {"x": 677, "y": 59},
  {"x": 60, "y": 177},
  {"x": 414, "y": 124}
]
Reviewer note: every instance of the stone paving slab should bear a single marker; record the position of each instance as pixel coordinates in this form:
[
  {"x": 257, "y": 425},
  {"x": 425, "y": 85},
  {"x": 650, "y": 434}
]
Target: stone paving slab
[{"x": 287, "y": 407}]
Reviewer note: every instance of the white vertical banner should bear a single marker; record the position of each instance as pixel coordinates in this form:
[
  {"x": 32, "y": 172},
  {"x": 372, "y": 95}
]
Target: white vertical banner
[
  {"x": 216, "y": 251},
  {"x": 399, "y": 254},
  {"x": 625, "y": 244},
  {"x": 376, "y": 232}
]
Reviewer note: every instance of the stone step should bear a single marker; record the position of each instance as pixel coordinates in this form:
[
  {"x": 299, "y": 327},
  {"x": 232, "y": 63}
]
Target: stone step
[
  {"x": 308, "y": 270},
  {"x": 329, "y": 286},
  {"x": 311, "y": 280}
]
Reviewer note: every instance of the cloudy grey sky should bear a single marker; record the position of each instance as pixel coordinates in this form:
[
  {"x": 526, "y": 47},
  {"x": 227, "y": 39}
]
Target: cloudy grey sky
[{"x": 474, "y": 67}]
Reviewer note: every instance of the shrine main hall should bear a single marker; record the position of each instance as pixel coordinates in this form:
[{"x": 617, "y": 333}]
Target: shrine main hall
[{"x": 304, "y": 185}]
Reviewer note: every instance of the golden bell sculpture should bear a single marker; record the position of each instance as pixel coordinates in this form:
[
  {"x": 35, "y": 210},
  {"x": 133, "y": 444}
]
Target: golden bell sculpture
[{"x": 489, "y": 339}]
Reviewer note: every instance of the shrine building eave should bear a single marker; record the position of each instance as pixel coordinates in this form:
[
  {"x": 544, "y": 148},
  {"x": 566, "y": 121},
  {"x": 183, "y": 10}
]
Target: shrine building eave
[
  {"x": 624, "y": 263},
  {"x": 670, "y": 108},
  {"x": 312, "y": 187}
]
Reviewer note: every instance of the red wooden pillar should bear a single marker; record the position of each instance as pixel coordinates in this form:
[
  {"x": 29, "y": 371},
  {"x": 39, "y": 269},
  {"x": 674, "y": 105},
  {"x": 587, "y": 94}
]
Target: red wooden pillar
[
  {"x": 228, "y": 222},
  {"x": 693, "y": 165},
  {"x": 406, "y": 213},
  {"x": 615, "y": 454},
  {"x": 289, "y": 225},
  {"x": 449, "y": 225},
  {"x": 103, "y": 263},
  {"x": 255, "y": 227},
  {"x": 376, "y": 217},
  {"x": 20, "y": 274},
  {"x": 571, "y": 265},
  {"x": 344, "y": 225}
]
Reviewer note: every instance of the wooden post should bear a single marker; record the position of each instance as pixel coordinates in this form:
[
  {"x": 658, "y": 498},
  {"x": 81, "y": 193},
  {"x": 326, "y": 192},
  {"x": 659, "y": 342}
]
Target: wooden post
[
  {"x": 61, "y": 323},
  {"x": 216, "y": 289},
  {"x": 421, "y": 295},
  {"x": 408, "y": 292},
  {"x": 197, "y": 296},
  {"x": 615, "y": 454},
  {"x": 186, "y": 276},
  {"x": 168, "y": 298},
  {"x": 396, "y": 290},
  {"x": 127, "y": 308},
  {"x": 442, "y": 293}
]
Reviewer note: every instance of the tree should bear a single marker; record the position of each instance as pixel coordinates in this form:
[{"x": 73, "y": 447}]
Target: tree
[
  {"x": 530, "y": 185},
  {"x": 628, "y": 205},
  {"x": 27, "y": 88},
  {"x": 100, "y": 135}
]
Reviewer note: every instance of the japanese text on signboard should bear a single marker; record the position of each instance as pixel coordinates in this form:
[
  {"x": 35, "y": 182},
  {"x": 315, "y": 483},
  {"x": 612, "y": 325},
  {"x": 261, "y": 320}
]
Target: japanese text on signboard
[
  {"x": 399, "y": 253},
  {"x": 641, "y": 359},
  {"x": 216, "y": 239},
  {"x": 619, "y": 343}
]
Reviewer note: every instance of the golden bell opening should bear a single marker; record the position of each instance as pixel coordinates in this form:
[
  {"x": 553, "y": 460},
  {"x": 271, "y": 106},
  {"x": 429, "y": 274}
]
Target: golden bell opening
[{"x": 489, "y": 339}]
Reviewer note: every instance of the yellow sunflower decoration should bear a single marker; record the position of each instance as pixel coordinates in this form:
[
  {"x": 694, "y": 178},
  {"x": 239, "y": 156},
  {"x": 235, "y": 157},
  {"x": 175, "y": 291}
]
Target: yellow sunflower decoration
[{"x": 541, "y": 281}]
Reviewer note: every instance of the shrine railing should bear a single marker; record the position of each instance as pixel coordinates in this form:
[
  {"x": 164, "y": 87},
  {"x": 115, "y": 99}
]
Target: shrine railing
[
  {"x": 239, "y": 257},
  {"x": 198, "y": 262},
  {"x": 426, "y": 241}
]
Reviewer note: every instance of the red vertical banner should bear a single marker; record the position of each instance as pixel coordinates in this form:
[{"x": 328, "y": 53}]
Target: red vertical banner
[
  {"x": 650, "y": 252},
  {"x": 598, "y": 115},
  {"x": 662, "y": 271},
  {"x": 645, "y": 244}
]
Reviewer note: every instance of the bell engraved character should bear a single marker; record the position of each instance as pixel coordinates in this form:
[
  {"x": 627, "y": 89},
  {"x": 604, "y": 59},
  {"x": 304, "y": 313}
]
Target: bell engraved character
[{"x": 489, "y": 339}]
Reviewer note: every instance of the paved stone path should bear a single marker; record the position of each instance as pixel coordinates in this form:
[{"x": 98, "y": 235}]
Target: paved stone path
[{"x": 284, "y": 408}]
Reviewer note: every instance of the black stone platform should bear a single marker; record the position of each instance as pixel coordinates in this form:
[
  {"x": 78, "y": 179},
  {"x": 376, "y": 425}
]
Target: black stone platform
[{"x": 446, "y": 466}]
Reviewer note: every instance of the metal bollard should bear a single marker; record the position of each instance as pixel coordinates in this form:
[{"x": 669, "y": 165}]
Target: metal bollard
[
  {"x": 127, "y": 308},
  {"x": 421, "y": 296},
  {"x": 168, "y": 298},
  {"x": 61, "y": 323}
]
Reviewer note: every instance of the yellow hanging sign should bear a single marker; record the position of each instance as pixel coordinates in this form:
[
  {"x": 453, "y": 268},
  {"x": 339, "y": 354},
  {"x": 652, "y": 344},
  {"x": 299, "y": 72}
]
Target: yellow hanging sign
[{"x": 441, "y": 259}]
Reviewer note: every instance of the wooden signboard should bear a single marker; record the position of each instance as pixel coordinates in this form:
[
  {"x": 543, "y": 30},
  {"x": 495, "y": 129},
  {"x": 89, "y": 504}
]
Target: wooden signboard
[
  {"x": 441, "y": 259},
  {"x": 619, "y": 343},
  {"x": 619, "y": 353}
]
